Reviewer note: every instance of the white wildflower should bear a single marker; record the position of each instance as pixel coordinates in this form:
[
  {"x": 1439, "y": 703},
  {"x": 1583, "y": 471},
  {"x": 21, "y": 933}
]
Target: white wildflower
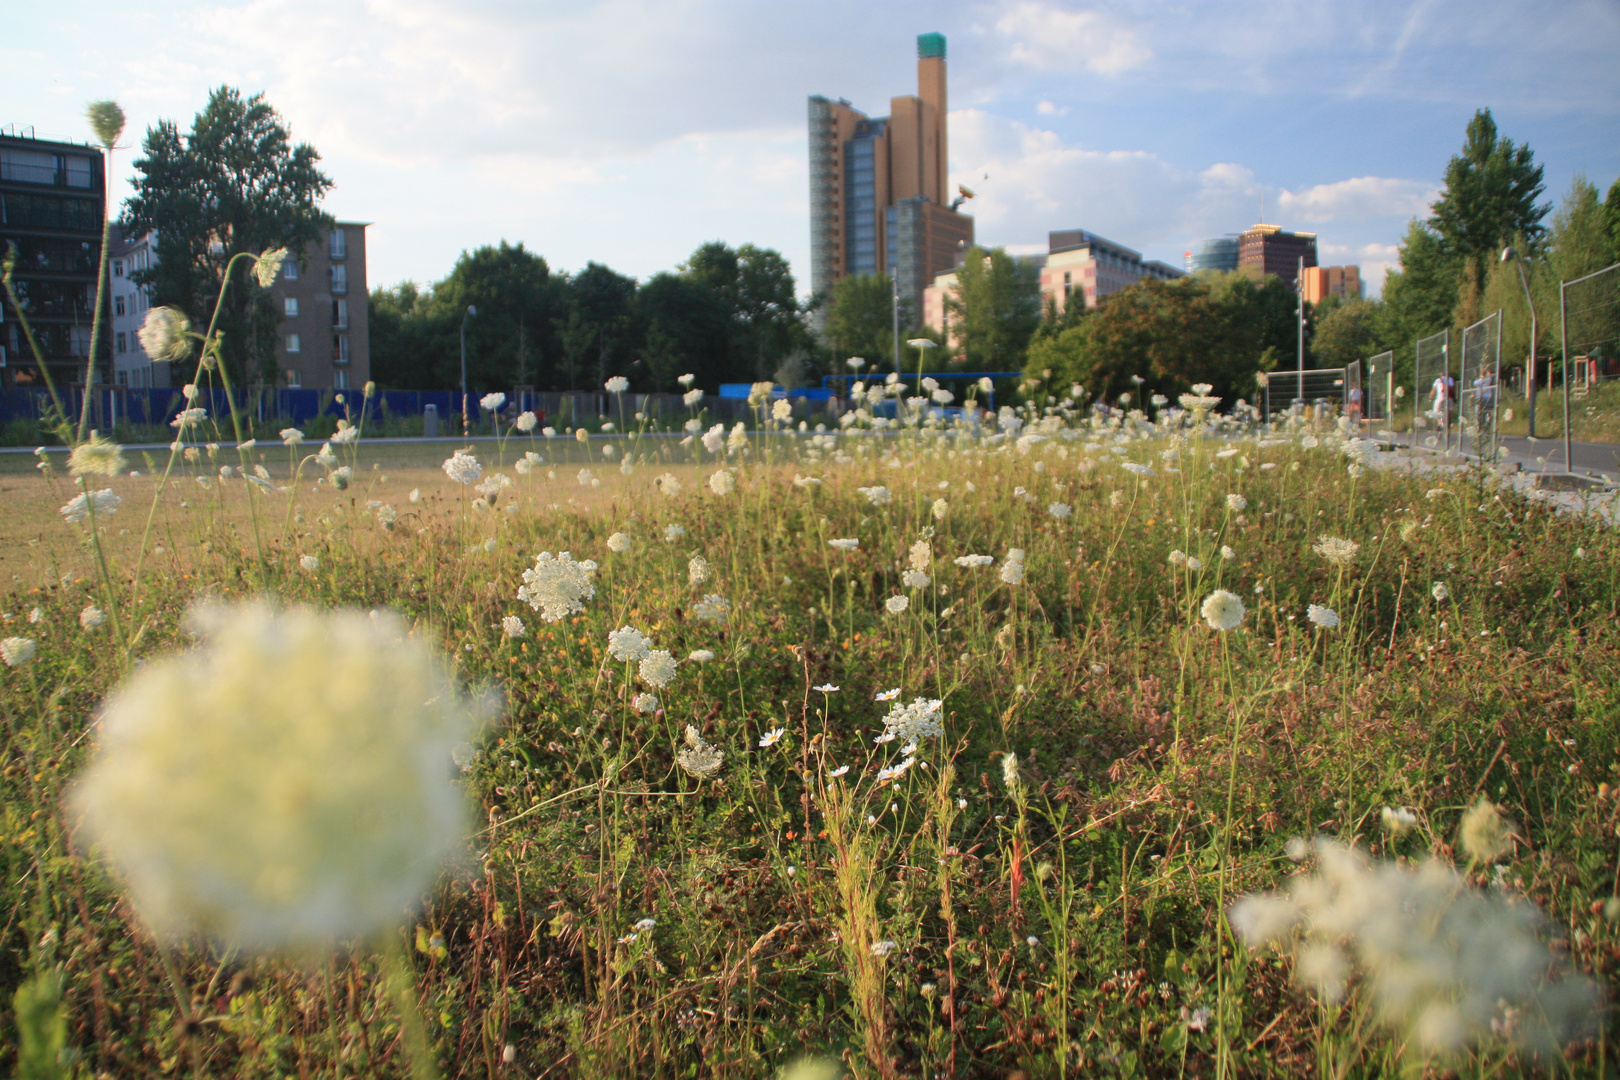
[
  {"x": 1223, "y": 610},
  {"x": 558, "y": 586}
]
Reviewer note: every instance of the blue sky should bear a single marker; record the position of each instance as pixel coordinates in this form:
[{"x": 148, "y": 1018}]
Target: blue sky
[{"x": 631, "y": 132}]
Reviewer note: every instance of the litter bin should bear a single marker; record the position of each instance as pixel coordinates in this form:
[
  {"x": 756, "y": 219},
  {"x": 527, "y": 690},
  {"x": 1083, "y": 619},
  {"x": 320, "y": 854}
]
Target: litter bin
[{"x": 430, "y": 421}]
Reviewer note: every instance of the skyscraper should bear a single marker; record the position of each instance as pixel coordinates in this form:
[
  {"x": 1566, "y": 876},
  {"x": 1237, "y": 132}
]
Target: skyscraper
[
  {"x": 1267, "y": 249},
  {"x": 878, "y": 186}
]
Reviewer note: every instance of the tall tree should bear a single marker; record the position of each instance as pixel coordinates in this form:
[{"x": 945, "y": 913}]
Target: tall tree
[
  {"x": 1349, "y": 332},
  {"x": 687, "y": 330},
  {"x": 595, "y": 328},
  {"x": 1419, "y": 297},
  {"x": 1490, "y": 197},
  {"x": 755, "y": 287},
  {"x": 997, "y": 306},
  {"x": 510, "y": 340},
  {"x": 860, "y": 321},
  {"x": 234, "y": 184}
]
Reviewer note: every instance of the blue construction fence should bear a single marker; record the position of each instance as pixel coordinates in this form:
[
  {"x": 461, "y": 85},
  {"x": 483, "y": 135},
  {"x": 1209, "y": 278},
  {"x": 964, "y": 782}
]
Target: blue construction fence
[{"x": 111, "y": 406}]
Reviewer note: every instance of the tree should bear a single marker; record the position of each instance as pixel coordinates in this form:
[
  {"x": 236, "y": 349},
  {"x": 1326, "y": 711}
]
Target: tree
[
  {"x": 234, "y": 184},
  {"x": 1348, "y": 332},
  {"x": 1419, "y": 297},
  {"x": 1490, "y": 196},
  {"x": 596, "y": 333},
  {"x": 1214, "y": 328},
  {"x": 686, "y": 330},
  {"x": 754, "y": 286},
  {"x": 996, "y": 306},
  {"x": 861, "y": 319}
]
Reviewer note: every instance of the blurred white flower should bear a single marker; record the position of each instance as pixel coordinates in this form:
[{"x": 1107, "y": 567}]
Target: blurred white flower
[
  {"x": 618, "y": 543},
  {"x": 1223, "y": 610},
  {"x": 462, "y": 467},
  {"x": 78, "y": 508},
  {"x": 17, "y": 651},
  {"x": 285, "y": 784},
  {"x": 1325, "y": 617},
  {"x": 617, "y": 385},
  {"x": 896, "y": 604},
  {"x": 513, "y": 627},
  {"x": 91, "y": 617}
]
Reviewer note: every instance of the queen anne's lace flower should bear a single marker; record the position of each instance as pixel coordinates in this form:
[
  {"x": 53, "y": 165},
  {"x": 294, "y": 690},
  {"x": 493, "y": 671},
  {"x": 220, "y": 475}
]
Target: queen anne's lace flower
[
  {"x": 286, "y": 784},
  {"x": 96, "y": 457},
  {"x": 91, "y": 617},
  {"x": 699, "y": 758},
  {"x": 916, "y": 720},
  {"x": 628, "y": 645},
  {"x": 513, "y": 627},
  {"x": 1325, "y": 617},
  {"x": 79, "y": 507},
  {"x": 17, "y": 651},
  {"x": 617, "y": 385},
  {"x": 1447, "y": 964},
  {"x": 722, "y": 482},
  {"x": 712, "y": 609},
  {"x": 558, "y": 586},
  {"x": 165, "y": 335},
  {"x": 462, "y": 467},
  {"x": 1223, "y": 610},
  {"x": 657, "y": 668},
  {"x": 1335, "y": 550},
  {"x": 896, "y": 604}
]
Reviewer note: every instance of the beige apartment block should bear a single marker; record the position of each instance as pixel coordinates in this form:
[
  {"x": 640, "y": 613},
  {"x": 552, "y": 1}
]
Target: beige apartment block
[
  {"x": 325, "y": 339},
  {"x": 1321, "y": 282}
]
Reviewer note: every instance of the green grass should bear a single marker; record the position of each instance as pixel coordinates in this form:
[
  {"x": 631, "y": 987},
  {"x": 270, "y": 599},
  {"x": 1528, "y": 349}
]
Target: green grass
[{"x": 1070, "y": 925}]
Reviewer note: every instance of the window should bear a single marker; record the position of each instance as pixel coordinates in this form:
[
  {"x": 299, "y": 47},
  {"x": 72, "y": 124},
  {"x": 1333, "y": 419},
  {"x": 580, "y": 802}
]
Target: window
[
  {"x": 340, "y": 348},
  {"x": 294, "y": 380},
  {"x": 340, "y": 314},
  {"x": 123, "y": 340},
  {"x": 77, "y": 170},
  {"x": 123, "y": 376},
  {"x": 293, "y": 344},
  {"x": 340, "y": 279},
  {"x": 118, "y": 268},
  {"x": 340, "y": 380},
  {"x": 289, "y": 307},
  {"x": 289, "y": 270},
  {"x": 340, "y": 244},
  {"x": 118, "y": 307}
]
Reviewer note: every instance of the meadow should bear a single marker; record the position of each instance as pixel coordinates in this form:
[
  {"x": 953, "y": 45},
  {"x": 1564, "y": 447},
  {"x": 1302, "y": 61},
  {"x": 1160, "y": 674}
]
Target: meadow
[{"x": 1037, "y": 743}]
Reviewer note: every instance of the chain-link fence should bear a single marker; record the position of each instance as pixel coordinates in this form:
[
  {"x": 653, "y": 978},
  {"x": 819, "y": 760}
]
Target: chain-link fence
[
  {"x": 1435, "y": 389},
  {"x": 1316, "y": 392},
  {"x": 1355, "y": 404},
  {"x": 1589, "y": 330},
  {"x": 1479, "y": 377},
  {"x": 1381, "y": 386}
]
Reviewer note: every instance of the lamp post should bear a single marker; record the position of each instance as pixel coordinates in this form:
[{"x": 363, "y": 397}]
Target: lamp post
[
  {"x": 466, "y": 424},
  {"x": 1509, "y": 255},
  {"x": 1299, "y": 286}
]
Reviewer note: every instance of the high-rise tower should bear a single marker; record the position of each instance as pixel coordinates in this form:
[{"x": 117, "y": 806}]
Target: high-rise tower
[{"x": 878, "y": 187}]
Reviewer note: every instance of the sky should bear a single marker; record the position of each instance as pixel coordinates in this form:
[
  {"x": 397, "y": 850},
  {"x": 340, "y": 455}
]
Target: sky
[{"x": 629, "y": 132}]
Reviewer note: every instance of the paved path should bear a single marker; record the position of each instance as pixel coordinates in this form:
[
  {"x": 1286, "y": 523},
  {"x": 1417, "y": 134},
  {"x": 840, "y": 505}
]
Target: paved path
[{"x": 1547, "y": 455}]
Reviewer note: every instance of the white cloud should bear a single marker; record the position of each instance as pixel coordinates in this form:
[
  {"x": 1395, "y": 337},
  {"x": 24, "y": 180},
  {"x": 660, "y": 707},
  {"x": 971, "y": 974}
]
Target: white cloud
[
  {"x": 1049, "y": 37},
  {"x": 1037, "y": 182},
  {"x": 1360, "y": 197},
  {"x": 1047, "y": 108}
]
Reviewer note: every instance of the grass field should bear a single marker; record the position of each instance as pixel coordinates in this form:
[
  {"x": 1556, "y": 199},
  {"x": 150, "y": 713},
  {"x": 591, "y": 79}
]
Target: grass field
[{"x": 1062, "y": 864}]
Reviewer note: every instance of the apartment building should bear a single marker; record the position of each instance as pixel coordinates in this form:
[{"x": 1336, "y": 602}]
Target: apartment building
[
  {"x": 53, "y": 202},
  {"x": 1321, "y": 282},
  {"x": 324, "y": 334},
  {"x": 130, "y": 254},
  {"x": 1082, "y": 262}
]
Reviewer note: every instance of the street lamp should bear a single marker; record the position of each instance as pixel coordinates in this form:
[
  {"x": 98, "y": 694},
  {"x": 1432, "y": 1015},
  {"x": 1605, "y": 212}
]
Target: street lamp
[
  {"x": 1509, "y": 255},
  {"x": 466, "y": 424}
]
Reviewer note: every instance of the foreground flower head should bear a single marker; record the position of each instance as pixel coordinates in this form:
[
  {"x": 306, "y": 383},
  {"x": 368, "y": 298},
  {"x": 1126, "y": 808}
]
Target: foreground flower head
[
  {"x": 699, "y": 758},
  {"x": 268, "y": 265},
  {"x": 286, "y": 784},
  {"x": 106, "y": 120},
  {"x": 165, "y": 335},
  {"x": 96, "y": 457},
  {"x": 1336, "y": 550},
  {"x": 558, "y": 586},
  {"x": 628, "y": 645},
  {"x": 79, "y": 507},
  {"x": 1223, "y": 610},
  {"x": 17, "y": 651},
  {"x": 617, "y": 385},
  {"x": 657, "y": 668},
  {"x": 722, "y": 482},
  {"x": 1325, "y": 617},
  {"x": 462, "y": 467},
  {"x": 1447, "y": 964},
  {"x": 513, "y": 627},
  {"x": 916, "y": 720}
]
